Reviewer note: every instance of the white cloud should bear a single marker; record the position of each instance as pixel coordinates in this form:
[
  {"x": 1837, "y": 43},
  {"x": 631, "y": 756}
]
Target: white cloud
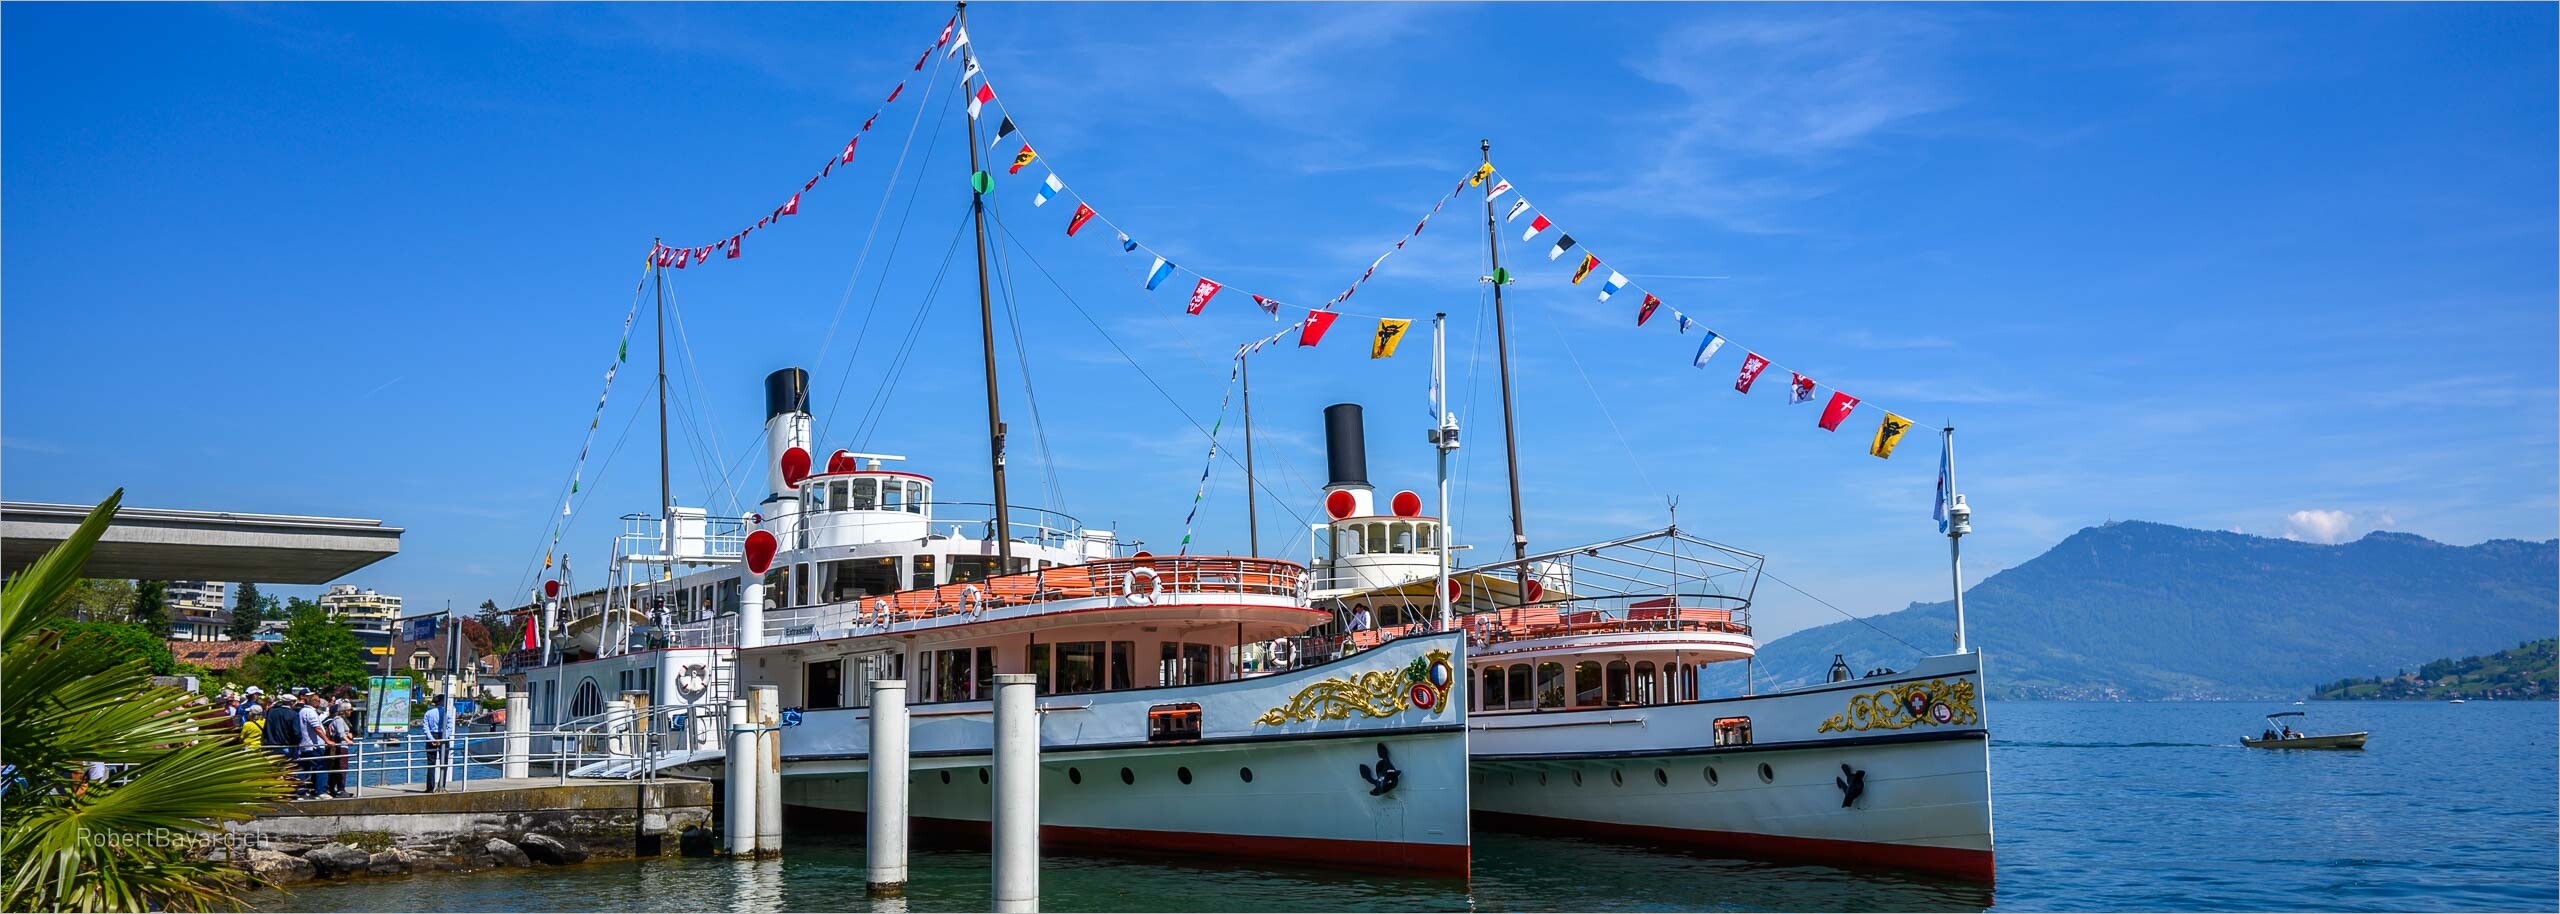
[{"x": 2331, "y": 526}]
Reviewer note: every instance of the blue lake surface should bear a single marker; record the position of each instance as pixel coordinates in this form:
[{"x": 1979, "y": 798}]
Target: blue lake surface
[{"x": 2096, "y": 807}]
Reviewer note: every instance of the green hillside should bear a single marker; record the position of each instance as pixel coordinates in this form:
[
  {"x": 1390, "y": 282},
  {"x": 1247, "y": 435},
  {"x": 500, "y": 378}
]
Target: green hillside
[
  {"x": 2136, "y": 610},
  {"x": 2529, "y": 671}
]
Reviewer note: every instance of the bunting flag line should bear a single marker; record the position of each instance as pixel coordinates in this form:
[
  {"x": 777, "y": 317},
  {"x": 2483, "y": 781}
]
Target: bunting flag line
[
  {"x": 1495, "y": 193},
  {"x": 1201, "y": 293},
  {"x": 1888, "y": 433},
  {"x": 1212, "y": 463},
  {"x": 1002, "y": 130},
  {"x": 1837, "y": 410},
  {"x": 1048, "y": 189},
  {"x": 1752, "y": 366},
  {"x": 1268, "y": 306},
  {"x": 1025, "y": 157},
  {"x": 1084, "y": 213},
  {"x": 1317, "y": 323},
  {"x": 1127, "y": 244},
  {"x": 1707, "y": 349},
  {"x": 1390, "y": 335},
  {"x": 1800, "y": 389},
  {"x": 1156, "y": 274},
  {"x": 1477, "y": 179},
  {"x": 986, "y": 93}
]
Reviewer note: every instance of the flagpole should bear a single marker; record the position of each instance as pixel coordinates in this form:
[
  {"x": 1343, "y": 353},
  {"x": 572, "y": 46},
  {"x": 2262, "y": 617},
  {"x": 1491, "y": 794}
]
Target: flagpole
[
  {"x": 1502, "y": 355},
  {"x": 1444, "y": 438},
  {"x": 1252, "y": 526},
  {"x": 1959, "y": 523},
  {"x": 666, "y": 493},
  {"x": 987, "y": 327}
]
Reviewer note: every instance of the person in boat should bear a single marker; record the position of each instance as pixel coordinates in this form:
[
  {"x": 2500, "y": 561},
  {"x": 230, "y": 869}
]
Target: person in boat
[{"x": 2267, "y": 735}]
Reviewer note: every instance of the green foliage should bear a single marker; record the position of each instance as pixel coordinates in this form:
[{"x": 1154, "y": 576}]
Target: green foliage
[
  {"x": 97, "y": 600},
  {"x": 122, "y": 845},
  {"x": 250, "y": 609},
  {"x": 2528, "y": 671},
  {"x": 317, "y": 652},
  {"x": 151, "y": 607},
  {"x": 2144, "y": 611},
  {"x": 504, "y": 633},
  {"x": 118, "y": 642}
]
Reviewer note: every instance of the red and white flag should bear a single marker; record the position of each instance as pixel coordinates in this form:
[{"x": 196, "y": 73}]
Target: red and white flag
[
  {"x": 1536, "y": 225},
  {"x": 1645, "y": 313},
  {"x": 1799, "y": 389},
  {"x": 1083, "y": 214},
  {"x": 1200, "y": 294},
  {"x": 1837, "y": 410},
  {"x": 893, "y": 93},
  {"x": 848, "y": 150},
  {"x": 792, "y": 208},
  {"x": 986, "y": 93},
  {"x": 1316, "y": 324},
  {"x": 1268, "y": 306},
  {"x": 733, "y": 247},
  {"x": 1752, "y": 366}
]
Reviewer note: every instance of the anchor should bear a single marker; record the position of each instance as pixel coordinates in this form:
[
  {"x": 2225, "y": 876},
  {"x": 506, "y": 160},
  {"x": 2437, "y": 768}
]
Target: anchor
[
  {"x": 1384, "y": 779},
  {"x": 1853, "y": 784}
]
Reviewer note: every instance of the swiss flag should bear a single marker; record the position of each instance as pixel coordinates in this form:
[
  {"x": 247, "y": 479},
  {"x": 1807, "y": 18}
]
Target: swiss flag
[
  {"x": 792, "y": 208},
  {"x": 1752, "y": 366},
  {"x": 848, "y": 150},
  {"x": 1317, "y": 323},
  {"x": 1837, "y": 410},
  {"x": 1200, "y": 295},
  {"x": 733, "y": 255}
]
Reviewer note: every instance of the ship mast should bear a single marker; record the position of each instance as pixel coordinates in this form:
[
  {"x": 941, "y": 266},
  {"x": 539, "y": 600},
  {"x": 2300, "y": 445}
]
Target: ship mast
[
  {"x": 979, "y": 183},
  {"x": 666, "y": 492},
  {"x": 1252, "y": 526},
  {"x": 1502, "y": 355}
]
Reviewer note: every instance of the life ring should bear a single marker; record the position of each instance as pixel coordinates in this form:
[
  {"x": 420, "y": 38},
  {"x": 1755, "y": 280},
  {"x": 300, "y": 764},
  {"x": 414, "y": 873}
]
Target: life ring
[
  {"x": 1129, "y": 585},
  {"x": 972, "y": 602},
  {"x": 880, "y": 613},
  {"x": 1279, "y": 649}
]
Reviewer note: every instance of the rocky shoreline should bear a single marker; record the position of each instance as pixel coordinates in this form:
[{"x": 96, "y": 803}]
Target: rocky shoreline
[{"x": 282, "y": 863}]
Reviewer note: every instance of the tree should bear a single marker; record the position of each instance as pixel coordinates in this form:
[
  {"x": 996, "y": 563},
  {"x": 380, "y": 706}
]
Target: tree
[
  {"x": 477, "y": 635},
  {"x": 246, "y": 615},
  {"x": 122, "y": 845},
  {"x": 318, "y": 652},
  {"x": 105, "y": 601},
  {"x": 504, "y": 633},
  {"x": 151, "y": 606},
  {"x": 111, "y": 643}
]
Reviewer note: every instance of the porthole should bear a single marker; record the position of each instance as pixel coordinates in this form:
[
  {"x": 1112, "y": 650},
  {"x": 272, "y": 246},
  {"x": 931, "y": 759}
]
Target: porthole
[
  {"x": 1246, "y": 774},
  {"x": 982, "y": 775},
  {"x": 946, "y": 776},
  {"x": 1077, "y": 777},
  {"x": 1617, "y": 778},
  {"x": 1661, "y": 777},
  {"x": 1577, "y": 779},
  {"x": 1711, "y": 775},
  {"x": 1182, "y": 774},
  {"x": 1131, "y": 777},
  {"x": 1766, "y": 775}
]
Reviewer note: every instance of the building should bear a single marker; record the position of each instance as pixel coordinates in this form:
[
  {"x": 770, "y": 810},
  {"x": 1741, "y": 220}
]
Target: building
[
  {"x": 366, "y": 613},
  {"x": 217, "y": 657},
  {"x": 196, "y": 610}
]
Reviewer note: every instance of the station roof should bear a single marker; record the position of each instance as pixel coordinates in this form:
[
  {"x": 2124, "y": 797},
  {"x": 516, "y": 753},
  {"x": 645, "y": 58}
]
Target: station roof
[{"x": 172, "y": 545}]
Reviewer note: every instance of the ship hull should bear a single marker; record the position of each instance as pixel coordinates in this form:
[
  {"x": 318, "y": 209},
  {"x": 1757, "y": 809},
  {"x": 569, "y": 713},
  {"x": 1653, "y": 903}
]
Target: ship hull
[{"x": 1914, "y": 793}]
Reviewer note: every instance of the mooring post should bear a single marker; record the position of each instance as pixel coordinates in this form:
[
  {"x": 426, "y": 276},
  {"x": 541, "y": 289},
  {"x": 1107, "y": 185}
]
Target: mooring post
[
  {"x": 885, "y": 847},
  {"x": 1017, "y": 793},
  {"x": 741, "y": 824},
  {"x": 768, "y": 700},
  {"x": 518, "y": 762}
]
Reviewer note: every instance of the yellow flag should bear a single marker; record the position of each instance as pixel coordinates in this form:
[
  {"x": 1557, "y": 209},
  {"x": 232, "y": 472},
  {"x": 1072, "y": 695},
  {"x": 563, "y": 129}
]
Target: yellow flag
[
  {"x": 1589, "y": 263},
  {"x": 1888, "y": 434},
  {"x": 1390, "y": 333},
  {"x": 1483, "y": 172}
]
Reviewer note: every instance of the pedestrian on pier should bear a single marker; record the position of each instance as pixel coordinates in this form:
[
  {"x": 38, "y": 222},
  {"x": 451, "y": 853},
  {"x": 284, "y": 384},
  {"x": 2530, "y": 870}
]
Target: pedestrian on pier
[{"x": 436, "y": 729}]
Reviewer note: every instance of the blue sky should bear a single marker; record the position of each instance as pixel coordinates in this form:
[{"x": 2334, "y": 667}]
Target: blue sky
[{"x": 2286, "y": 269}]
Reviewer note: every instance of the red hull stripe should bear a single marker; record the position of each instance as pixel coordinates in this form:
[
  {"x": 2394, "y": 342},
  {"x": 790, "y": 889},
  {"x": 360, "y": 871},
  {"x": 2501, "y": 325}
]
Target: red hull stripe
[
  {"x": 1446, "y": 860},
  {"x": 1947, "y": 861}
]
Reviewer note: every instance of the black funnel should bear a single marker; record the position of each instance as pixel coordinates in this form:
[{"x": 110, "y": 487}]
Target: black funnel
[
  {"x": 786, "y": 391},
  {"x": 1346, "y": 451}
]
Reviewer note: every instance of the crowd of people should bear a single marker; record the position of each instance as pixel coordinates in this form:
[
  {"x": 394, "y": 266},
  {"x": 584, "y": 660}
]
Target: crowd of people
[{"x": 311, "y": 731}]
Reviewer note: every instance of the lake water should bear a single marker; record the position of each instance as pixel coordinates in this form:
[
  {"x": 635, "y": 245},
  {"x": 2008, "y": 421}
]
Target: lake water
[{"x": 2095, "y": 807}]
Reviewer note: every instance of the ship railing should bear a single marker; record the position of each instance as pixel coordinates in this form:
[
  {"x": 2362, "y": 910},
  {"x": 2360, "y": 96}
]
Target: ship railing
[
  {"x": 1126, "y": 581},
  {"x": 622, "y": 743},
  {"x": 971, "y": 519}
]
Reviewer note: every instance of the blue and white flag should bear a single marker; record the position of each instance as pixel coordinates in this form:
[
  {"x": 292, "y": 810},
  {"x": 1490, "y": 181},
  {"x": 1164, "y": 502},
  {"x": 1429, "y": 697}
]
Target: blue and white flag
[
  {"x": 1946, "y": 457},
  {"x": 1707, "y": 349},
  {"x": 1157, "y": 273},
  {"x": 1048, "y": 189},
  {"x": 1684, "y": 321},
  {"x": 1127, "y": 243},
  {"x": 1611, "y": 286}
]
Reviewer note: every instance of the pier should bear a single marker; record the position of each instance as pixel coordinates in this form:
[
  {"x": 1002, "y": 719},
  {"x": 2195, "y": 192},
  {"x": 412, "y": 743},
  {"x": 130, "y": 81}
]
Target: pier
[{"x": 498, "y": 822}]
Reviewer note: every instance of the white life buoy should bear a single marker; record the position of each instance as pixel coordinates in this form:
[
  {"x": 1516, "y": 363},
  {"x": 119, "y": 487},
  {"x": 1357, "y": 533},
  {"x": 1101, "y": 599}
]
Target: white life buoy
[
  {"x": 1129, "y": 585},
  {"x": 1280, "y": 653},
  {"x": 972, "y": 602},
  {"x": 880, "y": 613}
]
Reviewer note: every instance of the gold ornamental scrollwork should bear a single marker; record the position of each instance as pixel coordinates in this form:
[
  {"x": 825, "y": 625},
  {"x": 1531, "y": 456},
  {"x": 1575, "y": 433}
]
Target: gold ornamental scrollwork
[
  {"x": 1934, "y": 703},
  {"x": 1428, "y": 683}
]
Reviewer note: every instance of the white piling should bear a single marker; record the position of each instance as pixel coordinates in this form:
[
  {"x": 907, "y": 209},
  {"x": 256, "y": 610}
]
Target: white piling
[
  {"x": 1016, "y": 812},
  {"x": 617, "y": 721},
  {"x": 885, "y": 847},
  {"x": 741, "y": 824},
  {"x": 517, "y": 762},
  {"x": 768, "y": 714}
]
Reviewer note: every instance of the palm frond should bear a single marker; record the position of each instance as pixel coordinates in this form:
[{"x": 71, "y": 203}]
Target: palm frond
[{"x": 29, "y": 598}]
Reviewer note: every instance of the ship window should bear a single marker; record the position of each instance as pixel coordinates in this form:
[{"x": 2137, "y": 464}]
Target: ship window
[
  {"x": 1521, "y": 694},
  {"x": 923, "y": 574},
  {"x": 1079, "y": 667},
  {"x": 835, "y": 496},
  {"x": 1645, "y": 683},
  {"x": 866, "y": 577},
  {"x": 589, "y": 702},
  {"x": 985, "y": 678},
  {"x": 1377, "y": 534},
  {"x": 823, "y": 685},
  {"x": 1617, "y": 683},
  {"x": 1124, "y": 661},
  {"x": 1586, "y": 684},
  {"x": 1735, "y": 731},
  {"x": 1422, "y": 536},
  {"x": 866, "y": 494},
  {"x": 1174, "y": 722},
  {"x": 1183, "y": 664},
  {"x": 1039, "y": 667},
  {"x": 915, "y": 496},
  {"x": 1550, "y": 685},
  {"x": 1400, "y": 538},
  {"x": 1490, "y": 695},
  {"x": 967, "y": 568},
  {"x": 1670, "y": 683},
  {"x": 893, "y": 497}
]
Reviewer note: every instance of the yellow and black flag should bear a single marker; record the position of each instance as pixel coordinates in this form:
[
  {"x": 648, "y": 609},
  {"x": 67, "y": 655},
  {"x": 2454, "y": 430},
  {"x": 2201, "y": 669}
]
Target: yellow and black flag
[
  {"x": 1477, "y": 179},
  {"x": 1888, "y": 434},
  {"x": 1589, "y": 262},
  {"x": 1025, "y": 157},
  {"x": 1390, "y": 333}
]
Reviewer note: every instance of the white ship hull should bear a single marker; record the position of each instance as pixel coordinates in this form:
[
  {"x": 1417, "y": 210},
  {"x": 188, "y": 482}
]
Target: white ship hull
[
  {"x": 1922, "y": 801},
  {"x": 1307, "y": 800}
]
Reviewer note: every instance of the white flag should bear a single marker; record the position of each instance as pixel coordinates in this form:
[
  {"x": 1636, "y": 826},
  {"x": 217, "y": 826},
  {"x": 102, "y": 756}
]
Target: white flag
[
  {"x": 958, "y": 43},
  {"x": 1499, "y": 188},
  {"x": 1518, "y": 206}
]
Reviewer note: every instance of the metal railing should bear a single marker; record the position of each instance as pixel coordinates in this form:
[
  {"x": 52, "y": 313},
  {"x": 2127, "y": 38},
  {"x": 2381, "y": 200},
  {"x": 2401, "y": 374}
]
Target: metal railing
[
  {"x": 619, "y": 744},
  {"x": 1134, "y": 580}
]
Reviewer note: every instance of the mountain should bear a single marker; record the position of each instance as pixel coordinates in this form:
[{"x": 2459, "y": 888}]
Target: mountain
[
  {"x": 2527, "y": 671},
  {"x": 2137, "y": 610}
]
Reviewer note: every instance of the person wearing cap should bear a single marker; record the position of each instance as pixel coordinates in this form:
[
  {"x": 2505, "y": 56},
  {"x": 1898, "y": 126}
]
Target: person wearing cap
[
  {"x": 340, "y": 729},
  {"x": 312, "y": 724}
]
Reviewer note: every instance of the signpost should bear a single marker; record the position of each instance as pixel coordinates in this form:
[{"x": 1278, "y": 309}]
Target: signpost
[{"x": 386, "y": 705}]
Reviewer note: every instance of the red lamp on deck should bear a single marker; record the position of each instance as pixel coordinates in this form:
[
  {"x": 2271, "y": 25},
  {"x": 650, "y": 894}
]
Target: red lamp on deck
[
  {"x": 795, "y": 466},
  {"x": 759, "y": 551}
]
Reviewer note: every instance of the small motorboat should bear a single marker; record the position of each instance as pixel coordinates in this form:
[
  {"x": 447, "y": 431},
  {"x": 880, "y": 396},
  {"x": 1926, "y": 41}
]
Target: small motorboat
[{"x": 2282, "y": 735}]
